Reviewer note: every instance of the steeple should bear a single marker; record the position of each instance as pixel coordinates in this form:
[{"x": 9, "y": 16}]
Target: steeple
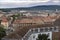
[{"x": 56, "y": 10}]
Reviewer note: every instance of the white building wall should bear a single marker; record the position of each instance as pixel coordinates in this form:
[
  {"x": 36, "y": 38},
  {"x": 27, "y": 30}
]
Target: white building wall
[{"x": 36, "y": 35}]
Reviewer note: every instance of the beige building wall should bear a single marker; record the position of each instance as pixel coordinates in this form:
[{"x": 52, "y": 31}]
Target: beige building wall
[{"x": 5, "y": 24}]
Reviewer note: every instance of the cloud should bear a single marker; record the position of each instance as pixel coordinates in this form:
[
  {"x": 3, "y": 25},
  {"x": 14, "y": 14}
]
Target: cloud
[
  {"x": 56, "y": 1},
  {"x": 20, "y": 4},
  {"x": 17, "y": 4},
  {"x": 23, "y": 0},
  {"x": 26, "y": 3}
]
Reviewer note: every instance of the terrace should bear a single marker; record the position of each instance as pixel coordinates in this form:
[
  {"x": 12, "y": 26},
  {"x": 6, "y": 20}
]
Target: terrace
[{"x": 35, "y": 31}]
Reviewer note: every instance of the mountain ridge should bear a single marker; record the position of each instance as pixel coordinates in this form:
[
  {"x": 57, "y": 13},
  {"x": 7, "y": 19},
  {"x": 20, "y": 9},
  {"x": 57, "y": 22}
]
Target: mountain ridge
[{"x": 39, "y": 7}]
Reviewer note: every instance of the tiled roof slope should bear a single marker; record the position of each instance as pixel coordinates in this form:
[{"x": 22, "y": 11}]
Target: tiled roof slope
[{"x": 22, "y": 31}]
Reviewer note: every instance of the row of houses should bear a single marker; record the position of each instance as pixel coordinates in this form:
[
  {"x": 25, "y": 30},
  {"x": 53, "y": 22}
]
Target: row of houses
[
  {"x": 44, "y": 14},
  {"x": 20, "y": 33},
  {"x": 35, "y": 20}
]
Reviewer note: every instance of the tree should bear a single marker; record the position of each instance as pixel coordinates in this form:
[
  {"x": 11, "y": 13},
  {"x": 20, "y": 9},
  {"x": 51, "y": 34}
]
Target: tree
[
  {"x": 42, "y": 37},
  {"x": 2, "y": 32}
]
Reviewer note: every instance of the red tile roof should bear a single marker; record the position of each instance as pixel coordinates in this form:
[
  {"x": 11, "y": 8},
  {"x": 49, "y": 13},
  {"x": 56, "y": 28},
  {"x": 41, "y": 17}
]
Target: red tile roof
[
  {"x": 36, "y": 19},
  {"x": 4, "y": 19}
]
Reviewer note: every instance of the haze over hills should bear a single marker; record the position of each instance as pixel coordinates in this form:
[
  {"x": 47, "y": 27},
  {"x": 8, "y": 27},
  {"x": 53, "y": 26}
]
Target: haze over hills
[{"x": 41, "y": 7}]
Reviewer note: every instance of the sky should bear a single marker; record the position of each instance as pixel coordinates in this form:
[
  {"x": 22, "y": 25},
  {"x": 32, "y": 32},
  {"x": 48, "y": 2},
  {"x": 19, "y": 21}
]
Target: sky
[{"x": 26, "y": 3}]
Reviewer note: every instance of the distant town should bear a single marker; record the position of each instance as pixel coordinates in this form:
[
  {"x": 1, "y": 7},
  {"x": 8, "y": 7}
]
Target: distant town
[{"x": 27, "y": 25}]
